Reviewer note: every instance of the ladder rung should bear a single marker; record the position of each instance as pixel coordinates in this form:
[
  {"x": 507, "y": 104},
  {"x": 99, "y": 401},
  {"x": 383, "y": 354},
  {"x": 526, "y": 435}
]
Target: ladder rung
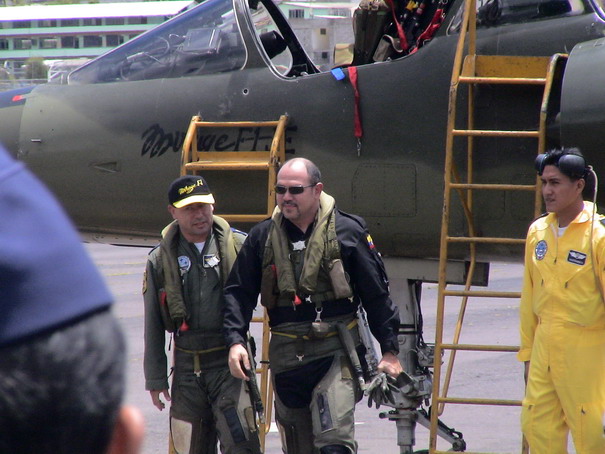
[
  {"x": 482, "y": 293},
  {"x": 227, "y": 165},
  {"x": 481, "y": 239},
  {"x": 481, "y": 348},
  {"x": 503, "y": 80},
  {"x": 245, "y": 217},
  {"x": 503, "y": 66},
  {"x": 236, "y": 124},
  {"x": 475, "y": 401},
  {"x": 494, "y": 187},
  {"x": 491, "y": 133}
]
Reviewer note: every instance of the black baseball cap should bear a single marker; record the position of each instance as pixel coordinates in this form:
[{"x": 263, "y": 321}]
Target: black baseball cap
[{"x": 189, "y": 189}]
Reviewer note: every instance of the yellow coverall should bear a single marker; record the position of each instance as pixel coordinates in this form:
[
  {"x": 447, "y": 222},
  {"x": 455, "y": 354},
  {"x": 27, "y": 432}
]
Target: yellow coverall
[{"x": 562, "y": 318}]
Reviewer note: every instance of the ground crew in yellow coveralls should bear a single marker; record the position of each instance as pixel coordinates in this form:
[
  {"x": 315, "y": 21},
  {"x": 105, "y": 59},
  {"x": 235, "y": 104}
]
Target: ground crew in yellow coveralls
[{"x": 563, "y": 314}]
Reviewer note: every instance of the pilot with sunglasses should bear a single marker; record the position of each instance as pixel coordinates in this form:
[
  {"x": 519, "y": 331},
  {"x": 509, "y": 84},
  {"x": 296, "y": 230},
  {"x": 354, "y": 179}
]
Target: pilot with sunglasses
[{"x": 313, "y": 265}]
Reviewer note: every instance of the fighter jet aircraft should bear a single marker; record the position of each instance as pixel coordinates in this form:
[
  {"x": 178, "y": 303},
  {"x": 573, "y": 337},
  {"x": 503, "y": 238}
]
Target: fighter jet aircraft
[{"x": 109, "y": 141}]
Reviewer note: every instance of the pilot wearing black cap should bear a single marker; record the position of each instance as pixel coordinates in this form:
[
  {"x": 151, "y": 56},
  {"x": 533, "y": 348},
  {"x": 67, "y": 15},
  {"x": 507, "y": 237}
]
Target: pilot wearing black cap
[
  {"x": 62, "y": 353},
  {"x": 183, "y": 293}
]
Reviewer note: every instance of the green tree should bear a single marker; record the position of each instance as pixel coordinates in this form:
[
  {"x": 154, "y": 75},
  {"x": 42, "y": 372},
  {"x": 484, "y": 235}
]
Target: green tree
[{"x": 35, "y": 68}]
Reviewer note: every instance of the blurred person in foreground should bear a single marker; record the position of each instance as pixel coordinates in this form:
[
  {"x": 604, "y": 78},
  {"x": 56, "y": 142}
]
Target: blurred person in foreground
[{"x": 62, "y": 366}]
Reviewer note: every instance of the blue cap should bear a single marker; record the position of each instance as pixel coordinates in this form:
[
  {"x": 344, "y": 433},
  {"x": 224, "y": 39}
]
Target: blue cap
[{"x": 47, "y": 278}]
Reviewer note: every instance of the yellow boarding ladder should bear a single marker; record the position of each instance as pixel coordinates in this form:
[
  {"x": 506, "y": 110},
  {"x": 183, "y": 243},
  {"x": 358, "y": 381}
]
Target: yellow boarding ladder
[
  {"x": 195, "y": 161},
  {"x": 474, "y": 70}
]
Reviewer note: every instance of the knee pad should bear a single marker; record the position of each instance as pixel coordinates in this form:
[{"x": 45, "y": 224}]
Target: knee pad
[
  {"x": 182, "y": 435},
  {"x": 186, "y": 436}
]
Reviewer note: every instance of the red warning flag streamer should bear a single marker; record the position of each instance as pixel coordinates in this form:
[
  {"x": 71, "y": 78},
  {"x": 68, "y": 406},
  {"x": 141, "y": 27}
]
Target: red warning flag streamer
[{"x": 357, "y": 115}]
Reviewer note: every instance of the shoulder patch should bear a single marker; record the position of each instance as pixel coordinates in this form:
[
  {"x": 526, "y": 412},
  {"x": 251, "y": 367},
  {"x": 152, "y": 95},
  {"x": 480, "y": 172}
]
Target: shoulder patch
[
  {"x": 370, "y": 241},
  {"x": 234, "y": 230}
]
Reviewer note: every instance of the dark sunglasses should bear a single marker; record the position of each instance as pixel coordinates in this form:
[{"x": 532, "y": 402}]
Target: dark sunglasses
[{"x": 294, "y": 190}]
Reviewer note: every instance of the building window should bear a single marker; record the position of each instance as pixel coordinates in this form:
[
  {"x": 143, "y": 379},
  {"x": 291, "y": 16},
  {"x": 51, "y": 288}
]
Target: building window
[
  {"x": 70, "y": 23},
  {"x": 23, "y": 43},
  {"x": 296, "y": 14},
  {"x": 324, "y": 55},
  {"x": 48, "y": 43},
  {"x": 92, "y": 22},
  {"x": 3, "y": 44},
  {"x": 114, "y": 40},
  {"x": 137, "y": 20},
  {"x": 114, "y": 21},
  {"x": 69, "y": 42},
  {"x": 339, "y": 12},
  {"x": 93, "y": 41},
  {"x": 22, "y": 24},
  {"x": 47, "y": 23},
  {"x": 322, "y": 31}
]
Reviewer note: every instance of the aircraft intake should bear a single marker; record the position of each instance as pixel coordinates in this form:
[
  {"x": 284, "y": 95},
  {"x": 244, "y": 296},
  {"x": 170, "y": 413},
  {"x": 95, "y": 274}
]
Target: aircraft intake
[{"x": 582, "y": 100}]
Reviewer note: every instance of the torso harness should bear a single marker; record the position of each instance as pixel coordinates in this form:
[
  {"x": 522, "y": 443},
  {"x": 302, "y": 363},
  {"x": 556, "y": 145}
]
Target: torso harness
[{"x": 315, "y": 264}]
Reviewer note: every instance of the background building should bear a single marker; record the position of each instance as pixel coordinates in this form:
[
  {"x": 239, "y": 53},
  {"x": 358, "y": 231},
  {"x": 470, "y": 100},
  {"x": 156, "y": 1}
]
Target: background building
[{"x": 59, "y": 32}]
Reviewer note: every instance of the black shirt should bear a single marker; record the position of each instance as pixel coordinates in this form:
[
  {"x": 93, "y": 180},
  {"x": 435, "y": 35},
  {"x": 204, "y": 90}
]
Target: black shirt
[{"x": 361, "y": 262}]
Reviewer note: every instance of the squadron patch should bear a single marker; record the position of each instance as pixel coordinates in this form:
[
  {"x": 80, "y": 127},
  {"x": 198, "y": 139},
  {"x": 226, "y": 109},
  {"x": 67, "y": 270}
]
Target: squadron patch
[
  {"x": 541, "y": 249},
  {"x": 578, "y": 258},
  {"x": 184, "y": 264}
]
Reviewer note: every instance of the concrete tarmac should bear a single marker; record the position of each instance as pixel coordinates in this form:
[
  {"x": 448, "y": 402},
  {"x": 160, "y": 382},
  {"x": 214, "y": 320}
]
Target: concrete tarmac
[{"x": 486, "y": 429}]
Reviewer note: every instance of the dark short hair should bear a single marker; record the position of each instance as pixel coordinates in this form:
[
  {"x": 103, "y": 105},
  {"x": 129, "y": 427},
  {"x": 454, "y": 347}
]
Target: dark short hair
[{"x": 61, "y": 391}]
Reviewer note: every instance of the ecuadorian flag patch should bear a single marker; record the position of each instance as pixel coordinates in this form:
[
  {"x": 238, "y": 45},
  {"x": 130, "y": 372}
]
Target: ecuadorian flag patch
[{"x": 370, "y": 241}]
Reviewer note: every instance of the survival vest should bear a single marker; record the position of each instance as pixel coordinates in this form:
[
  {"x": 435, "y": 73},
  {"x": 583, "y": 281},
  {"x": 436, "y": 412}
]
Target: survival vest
[
  {"x": 172, "y": 303},
  {"x": 316, "y": 265}
]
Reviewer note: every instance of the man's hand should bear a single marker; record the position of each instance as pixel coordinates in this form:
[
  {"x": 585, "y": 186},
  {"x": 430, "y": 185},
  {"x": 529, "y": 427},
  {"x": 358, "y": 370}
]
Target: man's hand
[
  {"x": 390, "y": 364},
  {"x": 155, "y": 398},
  {"x": 238, "y": 361}
]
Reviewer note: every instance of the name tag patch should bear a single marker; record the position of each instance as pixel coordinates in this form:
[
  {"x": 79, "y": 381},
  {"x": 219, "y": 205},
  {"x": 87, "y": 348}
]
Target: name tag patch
[
  {"x": 576, "y": 257},
  {"x": 210, "y": 261}
]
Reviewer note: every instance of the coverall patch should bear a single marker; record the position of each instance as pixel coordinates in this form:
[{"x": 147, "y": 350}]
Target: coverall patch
[
  {"x": 579, "y": 258},
  {"x": 541, "y": 249},
  {"x": 184, "y": 264}
]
